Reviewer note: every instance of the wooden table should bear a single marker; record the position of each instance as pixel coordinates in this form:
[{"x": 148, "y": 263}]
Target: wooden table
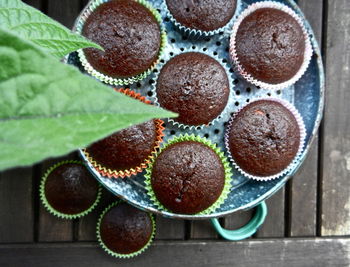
[{"x": 308, "y": 222}]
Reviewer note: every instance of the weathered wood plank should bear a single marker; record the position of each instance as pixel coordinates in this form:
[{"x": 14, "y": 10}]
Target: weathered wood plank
[
  {"x": 64, "y": 11},
  {"x": 202, "y": 230},
  {"x": 169, "y": 229},
  {"x": 16, "y": 211},
  {"x": 335, "y": 219},
  {"x": 303, "y": 187},
  {"x": 238, "y": 219},
  {"x": 274, "y": 252},
  {"x": 33, "y": 3},
  {"x": 274, "y": 225},
  {"x": 50, "y": 227}
]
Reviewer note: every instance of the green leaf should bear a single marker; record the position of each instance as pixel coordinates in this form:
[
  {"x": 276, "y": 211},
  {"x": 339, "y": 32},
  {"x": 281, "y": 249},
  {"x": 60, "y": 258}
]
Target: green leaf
[
  {"x": 29, "y": 23},
  {"x": 48, "y": 108}
]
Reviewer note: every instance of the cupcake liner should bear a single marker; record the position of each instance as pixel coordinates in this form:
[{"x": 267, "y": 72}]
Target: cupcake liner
[
  {"x": 230, "y": 81},
  {"x": 119, "y": 81},
  {"x": 107, "y": 172},
  {"x": 234, "y": 57},
  {"x": 196, "y": 34},
  {"x": 225, "y": 162},
  {"x": 47, "y": 205},
  {"x": 294, "y": 162},
  {"x": 115, "y": 254}
]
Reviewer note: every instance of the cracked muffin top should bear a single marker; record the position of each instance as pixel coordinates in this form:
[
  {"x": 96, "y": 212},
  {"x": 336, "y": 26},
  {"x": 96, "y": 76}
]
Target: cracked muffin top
[
  {"x": 187, "y": 177},
  {"x": 195, "y": 86},
  {"x": 264, "y": 138},
  {"x": 129, "y": 34},
  {"x": 270, "y": 45},
  {"x": 204, "y": 15}
]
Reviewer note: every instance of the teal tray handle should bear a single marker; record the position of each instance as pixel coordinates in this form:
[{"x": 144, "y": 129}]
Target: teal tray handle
[{"x": 246, "y": 231}]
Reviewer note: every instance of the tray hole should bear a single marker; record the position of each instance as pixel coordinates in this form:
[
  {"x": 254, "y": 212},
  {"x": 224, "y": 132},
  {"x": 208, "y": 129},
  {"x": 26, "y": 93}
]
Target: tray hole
[
  {"x": 236, "y": 81},
  {"x": 205, "y": 49},
  {"x": 227, "y": 49},
  {"x": 162, "y": 61},
  {"x": 221, "y": 33},
  {"x": 216, "y": 131},
  {"x": 158, "y": 10},
  {"x": 224, "y": 60},
  {"x": 182, "y": 49},
  {"x": 215, "y": 53},
  {"x": 311, "y": 36},
  {"x": 151, "y": 81},
  {"x": 184, "y": 38},
  {"x": 171, "y": 53},
  {"x": 238, "y": 92},
  {"x": 218, "y": 43},
  {"x": 173, "y": 40},
  {"x": 166, "y": 19},
  {"x": 172, "y": 132},
  {"x": 207, "y": 39},
  {"x": 138, "y": 85},
  {"x": 206, "y": 135},
  {"x": 258, "y": 87},
  {"x": 247, "y": 100},
  {"x": 225, "y": 124},
  {"x": 187, "y": 9},
  {"x": 269, "y": 94},
  {"x": 249, "y": 89},
  {"x": 193, "y": 47},
  {"x": 236, "y": 103},
  {"x": 155, "y": 70},
  {"x": 149, "y": 93},
  {"x": 231, "y": 70},
  {"x": 278, "y": 92}
]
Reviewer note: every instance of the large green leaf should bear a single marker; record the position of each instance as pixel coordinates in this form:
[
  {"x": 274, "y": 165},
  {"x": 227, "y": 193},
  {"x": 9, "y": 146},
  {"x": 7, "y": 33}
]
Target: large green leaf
[
  {"x": 48, "y": 108},
  {"x": 29, "y": 23}
]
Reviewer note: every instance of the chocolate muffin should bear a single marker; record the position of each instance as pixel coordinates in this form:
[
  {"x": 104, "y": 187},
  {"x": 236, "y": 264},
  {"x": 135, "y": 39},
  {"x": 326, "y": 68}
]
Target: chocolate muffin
[
  {"x": 264, "y": 138},
  {"x": 187, "y": 177},
  {"x": 127, "y": 148},
  {"x": 125, "y": 229},
  {"x": 270, "y": 45},
  {"x": 129, "y": 34},
  {"x": 70, "y": 189},
  {"x": 195, "y": 86},
  {"x": 207, "y": 15}
]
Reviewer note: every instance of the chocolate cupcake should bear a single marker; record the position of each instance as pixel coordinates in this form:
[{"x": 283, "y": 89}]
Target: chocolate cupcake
[
  {"x": 130, "y": 33},
  {"x": 124, "y": 231},
  {"x": 189, "y": 176},
  {"x": 128, "y": 151},
  {"x": 194, "y": 85},
  {"x": 68, "y": 190},
  {"x": 270, "y": 46},
  {"x": 264, "y": 138},
  {"x": 202, "y": 17}
]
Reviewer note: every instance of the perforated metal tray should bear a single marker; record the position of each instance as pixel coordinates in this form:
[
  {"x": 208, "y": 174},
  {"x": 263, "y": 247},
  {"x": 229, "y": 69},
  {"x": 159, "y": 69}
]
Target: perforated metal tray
[{"x": 307, "y": 95}]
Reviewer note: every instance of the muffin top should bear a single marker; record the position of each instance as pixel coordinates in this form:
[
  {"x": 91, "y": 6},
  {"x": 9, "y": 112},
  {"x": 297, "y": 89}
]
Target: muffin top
[
  {"x": 270, "y": 45},
  {"x": 125, "y": 229},
  {"x": 264, "y": 138},
  {"x": 127, "y": 148},
  {"x": 70, "y": 188},
  {"x": 187, "y": 177},
  {"x": 129, "y": 34},
  {"x": 195, "y": 86},
  {"x": 205, "y": 15}
]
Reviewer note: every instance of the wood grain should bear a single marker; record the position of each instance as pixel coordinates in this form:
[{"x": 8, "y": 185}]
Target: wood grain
[
  {"x": 335, "y": 218},
  {"x": 16, "y": 212},
  {"x": 274, "y": 252},
  {"x": 169, "y": 229},
  {"x": 303, "y": 187},
  {"x": 202, "y": 230},
  {"x": 64, "y": 11},
  {"x": 33, "y": 3}
]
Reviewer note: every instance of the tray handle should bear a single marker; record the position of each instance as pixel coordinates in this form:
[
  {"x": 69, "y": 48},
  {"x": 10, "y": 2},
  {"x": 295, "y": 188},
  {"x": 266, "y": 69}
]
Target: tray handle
[{"x": 246, "y": 231}]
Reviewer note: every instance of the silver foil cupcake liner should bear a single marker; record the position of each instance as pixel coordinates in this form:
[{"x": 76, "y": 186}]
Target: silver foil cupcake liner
[
  {"x": 194, "y": 33},
  {"x": 302, "y": 129},
  {"x": 119, "y": 81},
  {"x": 176, "y": 52},
  {"x": 234, "y": 57}
]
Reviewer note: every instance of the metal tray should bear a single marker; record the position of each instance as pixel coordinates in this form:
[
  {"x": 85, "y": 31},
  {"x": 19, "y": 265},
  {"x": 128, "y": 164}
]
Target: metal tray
[{"x": 307, "y": 95}]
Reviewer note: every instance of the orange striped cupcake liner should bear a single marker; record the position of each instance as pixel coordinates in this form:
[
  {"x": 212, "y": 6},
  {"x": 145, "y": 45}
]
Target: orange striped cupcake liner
[{"x": 110, "y": 173}]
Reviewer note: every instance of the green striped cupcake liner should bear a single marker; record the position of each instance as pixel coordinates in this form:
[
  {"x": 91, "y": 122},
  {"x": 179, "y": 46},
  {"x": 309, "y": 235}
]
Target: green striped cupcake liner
[
  {"x": 224, "y": 160},
  {"x": 52, "y": 210},
  {"x": 119, "y": 255},
  {"x": 119, "y": 81}
]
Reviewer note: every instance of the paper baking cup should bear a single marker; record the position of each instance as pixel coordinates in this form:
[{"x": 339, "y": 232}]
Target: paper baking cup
[
  {"x": 225, "y": 163},
  {"x": 233, "y": 53},
  {"x": 55, "y": 212},
  {"x": 230, "y": 81},
  {"x": 294, "y": 162},
  {"x": 194, "y": 33},
  {"x": 110, "y": 173},
  {"x": 105, "y": 78},
  {"x": 119, "y": 255}
]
